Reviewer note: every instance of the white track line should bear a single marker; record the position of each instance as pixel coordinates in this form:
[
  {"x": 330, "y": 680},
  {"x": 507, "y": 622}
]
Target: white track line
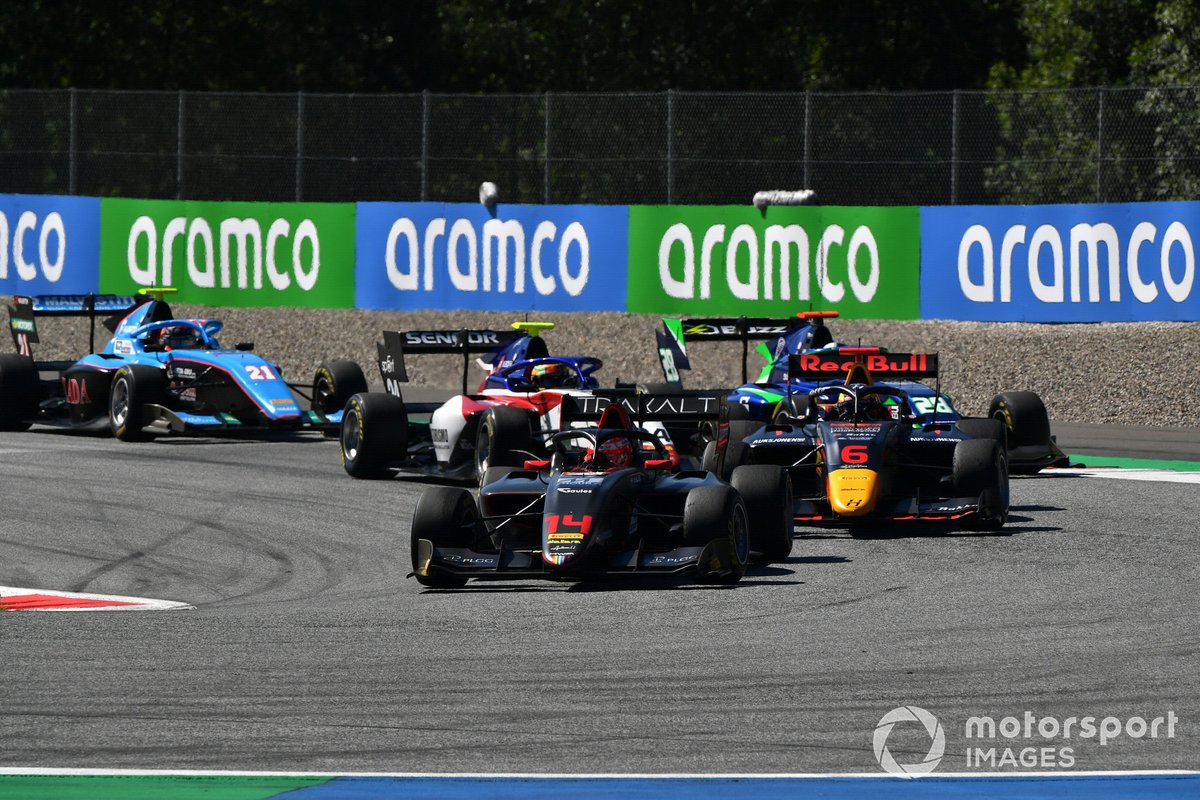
[{"x": 1124, "y": 474}]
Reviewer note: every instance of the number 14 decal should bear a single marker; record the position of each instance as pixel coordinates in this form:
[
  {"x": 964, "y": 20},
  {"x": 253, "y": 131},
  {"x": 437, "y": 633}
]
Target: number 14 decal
[{"x": 258, "y": 373}]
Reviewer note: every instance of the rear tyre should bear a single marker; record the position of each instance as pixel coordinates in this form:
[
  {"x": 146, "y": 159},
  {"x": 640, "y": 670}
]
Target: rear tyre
[
  {"x": 737, "y": 454},
  {"x": 134, "y": 386},
  {"x": 503, "y": 440},
  {"x": 20, "y": 390},
  {"x": 446, "y": 516},
  {"x": 714, "y": 517},
  {"x": 374, "y": 434},
  {"x": 334, "y": 383},
  {"x": 1024, "y": 417},
  {"x": 766, "y": 490},
  {"x": 981, "y": 470}
]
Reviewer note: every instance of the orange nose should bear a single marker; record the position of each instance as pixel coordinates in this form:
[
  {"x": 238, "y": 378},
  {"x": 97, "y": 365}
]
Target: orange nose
[{"x": 853, "y": 492}]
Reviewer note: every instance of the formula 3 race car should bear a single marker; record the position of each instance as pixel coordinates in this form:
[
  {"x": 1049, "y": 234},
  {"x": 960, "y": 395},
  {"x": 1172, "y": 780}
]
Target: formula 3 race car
[
  {"x": 520, "y": 403},
  {"x": 1031, "y": 447},
  {"x": 158, "y": 374},
  {"x": 860, "y": 456},
  {"x": 608, "y": 501}
]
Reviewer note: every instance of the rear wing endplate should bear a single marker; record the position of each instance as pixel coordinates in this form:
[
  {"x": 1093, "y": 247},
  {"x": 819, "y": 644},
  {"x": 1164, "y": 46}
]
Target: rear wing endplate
[
  {"x": 463, "y": 342},
  {"x": 23, "y": 313},
  {"x": 671, "y": 339}
]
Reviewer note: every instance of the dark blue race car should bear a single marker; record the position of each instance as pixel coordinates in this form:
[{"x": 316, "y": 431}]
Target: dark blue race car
[
  {"x": 158, "y": 374},
  {"x": 753, "y": 404}
]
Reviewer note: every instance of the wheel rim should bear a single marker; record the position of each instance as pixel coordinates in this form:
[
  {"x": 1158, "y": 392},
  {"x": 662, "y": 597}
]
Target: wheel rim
[
  {"x": 351, "y": 435},
  {"x": 322, "y": 391},
  {"x": 119, "y": 405}
]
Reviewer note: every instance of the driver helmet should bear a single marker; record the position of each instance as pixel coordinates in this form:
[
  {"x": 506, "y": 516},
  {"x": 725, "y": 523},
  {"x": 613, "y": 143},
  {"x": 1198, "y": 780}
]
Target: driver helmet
[
  {"x": 613, "y": 453},
  {"x": 552, "y": 375},
  {"x": 870, "y": 408},
  {"x": 181, "y": 337},
  {"x": 840, "y": 409}
]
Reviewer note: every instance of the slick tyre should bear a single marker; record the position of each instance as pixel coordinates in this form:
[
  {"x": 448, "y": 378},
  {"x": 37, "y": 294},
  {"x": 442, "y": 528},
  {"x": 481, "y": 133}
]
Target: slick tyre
[
  {"x": 20, "y": 390},
  {"x": 446, "y": 516},
  {"x": 1024, "y": 417},
  {"x": 980, "y": 470},
  {"x": 980, "y": 428},
  {"x": 714, "y": 517},
  {"x": 766, "y": 490},
  {"x": 374, "y": 434},
  {"x": 504, "y": 439},
  {"x": 334, "y": 383},
  {"x": 134, "y": 387}
]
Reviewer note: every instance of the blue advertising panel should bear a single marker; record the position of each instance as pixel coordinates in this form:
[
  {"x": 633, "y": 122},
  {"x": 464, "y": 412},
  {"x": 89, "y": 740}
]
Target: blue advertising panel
[
  {"x": 1062, "y": 263},
  {"x": 49, "y": 244},
  {"x": 460, "y": 256}
]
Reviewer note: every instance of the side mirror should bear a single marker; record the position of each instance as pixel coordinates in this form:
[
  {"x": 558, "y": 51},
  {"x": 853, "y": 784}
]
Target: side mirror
[
  {"x": 244, "y": 346},
  {"x": 536, "y": 463}
]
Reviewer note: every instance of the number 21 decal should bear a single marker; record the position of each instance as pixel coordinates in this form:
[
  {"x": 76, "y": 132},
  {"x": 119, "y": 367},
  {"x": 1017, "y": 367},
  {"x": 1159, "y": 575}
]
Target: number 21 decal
[{"x": 260, "y": 373}]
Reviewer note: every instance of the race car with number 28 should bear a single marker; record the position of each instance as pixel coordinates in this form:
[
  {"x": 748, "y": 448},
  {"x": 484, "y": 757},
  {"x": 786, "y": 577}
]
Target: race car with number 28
[{"x": 158, "y": 374}]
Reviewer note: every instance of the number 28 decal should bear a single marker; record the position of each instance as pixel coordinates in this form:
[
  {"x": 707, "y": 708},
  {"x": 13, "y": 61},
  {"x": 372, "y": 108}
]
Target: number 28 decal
[{"x": 260, "y": 373}]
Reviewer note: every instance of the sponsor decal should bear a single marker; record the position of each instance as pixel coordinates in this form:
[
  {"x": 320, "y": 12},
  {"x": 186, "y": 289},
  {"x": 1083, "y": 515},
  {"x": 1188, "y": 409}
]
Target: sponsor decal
[
  {"x": 570, "y": 490},
  {"x": 1060, "y": 263},
  {"x": 565, "y": 537},
  {"x": 122, "y": 347},
  {"x": 460, "y": 256},
  {"x": 439, "y": 434},
  {"x": 76, "y": 391},
  {"x": 876, "y": 363},
  {"x": 48, "y": 244},
  {"x": 734, "y": 260},
  {"x": 450, "y": 338},
  {"x": 187, "y": 373},
  {"x": 239, "y": 254},
  {"x": 387, "y": 366}
]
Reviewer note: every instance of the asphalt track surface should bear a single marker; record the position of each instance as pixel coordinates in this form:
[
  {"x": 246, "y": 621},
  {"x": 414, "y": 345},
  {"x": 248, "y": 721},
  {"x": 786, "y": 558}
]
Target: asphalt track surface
[{"x": 309, "y": 650}]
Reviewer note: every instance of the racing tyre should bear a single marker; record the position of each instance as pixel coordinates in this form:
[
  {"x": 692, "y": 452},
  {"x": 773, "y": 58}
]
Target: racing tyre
[
  {"x": 737, "y": 454},
  {"x": 446, "y": 516},
  {"x": 714, "y": 517},
  {"x": 20, "y": 390},
  {"x": 334, "y": 383},
  {"x": 503, "y": 440},
  {"x": 790, "y": 411},
  {"x": 981, "y": 470},
  {"x": 374, "y": 434},
  {"x": 766, "y": 490},
  {"x": 1024, "y": 415},
  {"x": 708, "y": 461},
  {"x": 134, "y": 386}
]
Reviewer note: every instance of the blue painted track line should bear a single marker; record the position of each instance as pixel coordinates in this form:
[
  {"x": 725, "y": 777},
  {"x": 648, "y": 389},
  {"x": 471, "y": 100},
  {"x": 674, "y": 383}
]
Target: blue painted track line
[{"x": 1012, "y": 787}]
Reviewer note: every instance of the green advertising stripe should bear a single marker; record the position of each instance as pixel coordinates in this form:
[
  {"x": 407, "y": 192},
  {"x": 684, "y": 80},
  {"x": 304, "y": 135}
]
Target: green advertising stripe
[
  {"x": 151, "y": 787},
  {"x": 230, "y": 254},
  {"x": 735, "y": 260},
  {"x": 1135, "y": 463}
]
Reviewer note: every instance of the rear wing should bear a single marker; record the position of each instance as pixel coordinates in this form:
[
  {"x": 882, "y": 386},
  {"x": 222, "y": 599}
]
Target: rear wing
[
  {"x": 672, "y": 348},
  {"x": 464, "y": 342},
  {"x": 23, "y": 313},
  {"x": 643, "y": 407},
  {"x": 861, "y": 365}
]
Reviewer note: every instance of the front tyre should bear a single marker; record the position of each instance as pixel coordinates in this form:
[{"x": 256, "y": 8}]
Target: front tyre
[
  {"x": 980, "y": 470},
  {"x": 374, "y": 434},
  {"x": 714, "y": 517},
  {"x": 134, "y": 387},
  {"x": 446, "y": 516},
  {"x": 766, "y": 490}
]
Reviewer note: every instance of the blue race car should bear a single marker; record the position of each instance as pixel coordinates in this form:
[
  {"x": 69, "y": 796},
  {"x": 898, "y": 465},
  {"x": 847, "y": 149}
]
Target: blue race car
[
  {"x": 754, "y": 404},
  {"x": 158, "y": 374}
]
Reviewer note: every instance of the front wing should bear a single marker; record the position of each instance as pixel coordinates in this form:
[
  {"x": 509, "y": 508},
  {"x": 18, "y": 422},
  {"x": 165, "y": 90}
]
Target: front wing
[
  {"x": 175, "y": 421},
  {"x": 528, "y": 564},
  {"x": 816, "y": 512}
]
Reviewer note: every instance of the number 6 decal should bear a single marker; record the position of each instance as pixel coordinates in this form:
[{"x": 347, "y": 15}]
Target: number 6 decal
[{"x": 854, "y": 454}]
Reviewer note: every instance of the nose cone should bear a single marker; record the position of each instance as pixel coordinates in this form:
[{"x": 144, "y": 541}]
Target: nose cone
[{"x": 853, "y": 492}]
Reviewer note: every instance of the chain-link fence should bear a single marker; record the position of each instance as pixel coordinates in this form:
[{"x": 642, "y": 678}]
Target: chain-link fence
[{"x": 932, "y": 148}]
